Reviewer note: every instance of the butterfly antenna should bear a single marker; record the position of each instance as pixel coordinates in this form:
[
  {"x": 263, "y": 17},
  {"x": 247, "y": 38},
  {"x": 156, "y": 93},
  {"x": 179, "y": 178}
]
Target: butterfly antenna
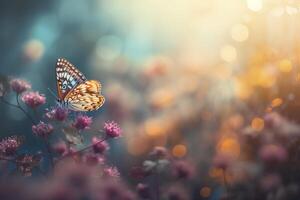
[{"x": 53, "y": 94}]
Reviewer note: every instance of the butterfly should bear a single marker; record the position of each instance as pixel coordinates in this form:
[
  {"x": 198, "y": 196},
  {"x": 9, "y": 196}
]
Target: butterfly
[{"x": 74, "y": 90}]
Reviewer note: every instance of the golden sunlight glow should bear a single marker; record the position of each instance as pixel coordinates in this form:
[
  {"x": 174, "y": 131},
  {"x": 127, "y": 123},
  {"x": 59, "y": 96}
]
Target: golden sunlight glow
[
  {"x": 228, "y": 53},
  {"x": 205, "y": 192},
  {"x": 179, "y": 150},
  {"x": 285, "y": 65},
  {"x": 34, "y": 49},
  {"x": 239, "y": 32},
  {"x": 254, "y": 5},
  {"x": 276, "y": 102},
  {"x": 229, "y": 146},
  {"x": 257, "y": 124}
]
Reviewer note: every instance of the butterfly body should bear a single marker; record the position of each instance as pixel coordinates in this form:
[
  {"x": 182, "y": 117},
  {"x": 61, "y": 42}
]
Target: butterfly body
[{"x": 74, "y": 90}]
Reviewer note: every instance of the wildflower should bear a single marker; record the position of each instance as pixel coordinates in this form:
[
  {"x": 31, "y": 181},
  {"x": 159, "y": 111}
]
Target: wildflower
[
  {"x": 112, "y": 129},
  {"x": 99, "y": 146},
  {"x": 92, "y": 159},
  {"x": 143, "y": 191},
  {"x": 111, "y": 172},
  {"x": 82, "y": 122},
  {"x": 138, "y": 172},
  {"x": 19, "y": 86},
  {"x": 42, "y": 129},
  {"x": 33, "y": 99},
  {"x": 60, "y": 148},
  {"x": 222, "y": 161},
  {"x": 26, "y": 163},
  {"x": 159, "y": 152},
  {"x": 183, "y": 169},
  {"x": 270, "y": 181},
  {"x": 273, "y": 153},
  {"x": 176, "y": 193},
  {"x": 9, "y": 146},
  {"x": 58, "y": 114}
]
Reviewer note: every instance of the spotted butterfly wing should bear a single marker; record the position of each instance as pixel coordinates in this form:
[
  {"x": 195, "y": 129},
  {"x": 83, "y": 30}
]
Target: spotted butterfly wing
[
  {"x": 75, "y": 91},
  {"x": 67, "y": 77},
  {"x": 86, "y": 96}
]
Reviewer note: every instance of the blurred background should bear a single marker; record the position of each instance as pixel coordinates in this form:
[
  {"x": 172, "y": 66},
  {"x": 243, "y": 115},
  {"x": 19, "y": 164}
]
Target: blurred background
[{"x": 195, "y": 76}]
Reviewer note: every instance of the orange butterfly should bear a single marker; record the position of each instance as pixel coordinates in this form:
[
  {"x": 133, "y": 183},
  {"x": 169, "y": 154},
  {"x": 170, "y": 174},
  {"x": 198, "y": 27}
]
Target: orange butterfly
[{"x": 74, "y": 90}]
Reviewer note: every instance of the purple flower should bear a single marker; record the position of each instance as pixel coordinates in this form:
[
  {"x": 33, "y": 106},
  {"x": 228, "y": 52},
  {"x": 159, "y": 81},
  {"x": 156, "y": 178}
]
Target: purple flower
[
  {"x": 159, "y": 152},
  {"x": 82, "y": 122},
  {"x": 60, "y": 148},
  {"x": 143, "y": 191},
  {"x": 19, "y": 85},
  {"x": 42, "y": 129},
  {"x": 111, "y": 172},
  {"x": 176, "y": 193},
  {"x": 9, "y": 146},
  {"x": 99, "y": 146},
  {"x": 222, "y": 161},
  {"x": 273, "y": 153},
  {"x": 58, "y": 113},
  {"x": 93, "y": 159},
  {"x": 270, "y": 181},
  {"x": 183, "y": 169},
  {"x": 33, "y": 99},
  {"x": 112, "y": 129}
]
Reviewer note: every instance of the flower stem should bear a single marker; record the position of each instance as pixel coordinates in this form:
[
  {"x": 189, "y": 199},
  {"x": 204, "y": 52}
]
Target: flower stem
[
  {"x": 225, "y": 180},
  {"x": 81, "y": 150},
  {"x": 49, "y": 151},
  {"x": 23, "y": 110}
]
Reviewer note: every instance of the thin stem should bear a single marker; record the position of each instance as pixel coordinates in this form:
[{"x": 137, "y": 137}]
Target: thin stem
[
  {"x": 49, "y": 151},
  {"x": 225, "y": 180},
  {"x": 23, "y": 110},
  {"x": 81, "y": 150}
]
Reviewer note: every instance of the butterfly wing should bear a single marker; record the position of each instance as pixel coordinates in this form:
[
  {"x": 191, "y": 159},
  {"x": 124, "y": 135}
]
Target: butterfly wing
[
  {"x": 67, "y": 77},
  {"x": 85, "y": 97}
]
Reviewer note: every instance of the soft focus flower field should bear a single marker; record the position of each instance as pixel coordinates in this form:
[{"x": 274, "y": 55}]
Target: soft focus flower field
[{"x": 201, "y": 100}]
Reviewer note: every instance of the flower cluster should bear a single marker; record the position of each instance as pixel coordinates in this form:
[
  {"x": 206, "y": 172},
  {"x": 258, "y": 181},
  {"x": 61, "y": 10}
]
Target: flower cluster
[
  {"x": 19, "y": 86},
  {"x": 33, "y": 99},
  {"x": 42, "y": 129}
]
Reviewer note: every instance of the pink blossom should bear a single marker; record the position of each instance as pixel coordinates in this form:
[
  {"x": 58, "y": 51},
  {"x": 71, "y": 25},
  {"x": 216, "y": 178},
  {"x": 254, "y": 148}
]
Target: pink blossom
[
  {"x": 93, "y": 159},
  {"x": 159, "y": 152},
  {"x": 60, "y": 148},
  {"x": 58, "y": 114},
  {"x": 111, "y": 172},
  {"x": 143, "y": 191},
  {"x": 270, "y": 181},
  {"x": 222, "y": 161},
  {"x": 42, "y": 129},
  {"x": 9, "y": 146},
  {"x": 33, "y": 99},
  {"x": 112, "y": 129},
  {"x": 183, "y": 169},
  {"x": 19, "y": 85},
  {"x": 99, "y": 146},
  {"x": 82, "y": 122},
  {"x": 273, "y": 153}
]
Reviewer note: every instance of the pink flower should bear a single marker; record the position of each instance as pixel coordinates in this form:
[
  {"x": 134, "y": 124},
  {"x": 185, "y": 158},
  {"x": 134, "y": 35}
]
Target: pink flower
[
  {"x": 58, "y": 113},
  {"x": 159, "y": 152},
  {"x": 99, "y": 146},
  {"x": 33, "y": 99},
  {"x": 93, "y": 159},
  {"x": 42, "y": 129},
  {"x": 9, "y": 146},
  {"x": 112, "y": 129},
  {"x": 82, "y": 122},
  {"x": 60, "y": 148},
  {"x": 222, "y": 161},
  {"x": 19, "y": 85},
  {"x": 143, "y": 191},
  {"x": 273, "y": 153},
  {"x": 270, "y": 181},
  {"x": 111, "y": 172},
  {"x": 183, "y": 169}
]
